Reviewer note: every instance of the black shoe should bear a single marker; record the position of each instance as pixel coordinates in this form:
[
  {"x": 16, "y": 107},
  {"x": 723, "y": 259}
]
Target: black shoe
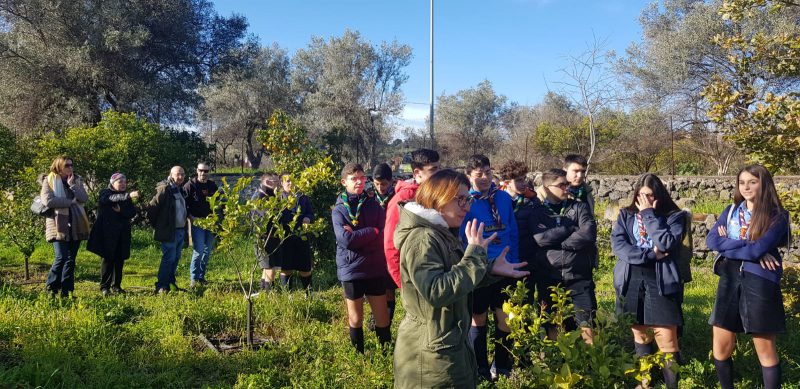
[
  {"x": 118, "y": 290},
  {"x": 105, "y": 292},
  {"x": 162, "y": 291}
]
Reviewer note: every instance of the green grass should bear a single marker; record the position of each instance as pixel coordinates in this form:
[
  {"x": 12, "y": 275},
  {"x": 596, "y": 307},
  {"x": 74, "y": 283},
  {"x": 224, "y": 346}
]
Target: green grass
[
  {"x": 707, "y": 206},
  {"x": 145, "y": 340}
]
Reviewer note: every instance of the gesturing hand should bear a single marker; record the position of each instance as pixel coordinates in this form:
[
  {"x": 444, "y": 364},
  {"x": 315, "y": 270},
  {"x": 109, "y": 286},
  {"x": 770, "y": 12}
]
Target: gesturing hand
[
  {"x": 474, "y": 232},
  {"x": 503, "y": 268},
  {"x": 643, "y": 202}
]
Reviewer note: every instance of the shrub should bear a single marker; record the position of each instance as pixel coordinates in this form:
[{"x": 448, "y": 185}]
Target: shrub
[
  {"x": 122, "y": 142},
  {"x": 568, "y": 361}
]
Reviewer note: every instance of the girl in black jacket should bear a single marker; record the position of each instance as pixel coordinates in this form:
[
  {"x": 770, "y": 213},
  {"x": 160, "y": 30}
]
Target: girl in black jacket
[{"x": 111, "y": 233}]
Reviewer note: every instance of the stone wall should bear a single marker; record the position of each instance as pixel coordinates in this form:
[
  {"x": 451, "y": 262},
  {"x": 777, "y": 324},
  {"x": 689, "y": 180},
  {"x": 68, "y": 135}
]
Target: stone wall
[{"x": 614, "y": 189}]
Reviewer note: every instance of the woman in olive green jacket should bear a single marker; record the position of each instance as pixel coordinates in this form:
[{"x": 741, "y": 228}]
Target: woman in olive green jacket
[{"x": 438, "y": 279}]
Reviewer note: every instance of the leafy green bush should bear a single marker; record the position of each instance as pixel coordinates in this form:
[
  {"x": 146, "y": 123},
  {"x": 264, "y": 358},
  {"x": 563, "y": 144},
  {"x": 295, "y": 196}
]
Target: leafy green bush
[
  {"x": 122, "y": 142},
  {"x": 19, "y": 227},
  {"x": 568, "y": 361}
]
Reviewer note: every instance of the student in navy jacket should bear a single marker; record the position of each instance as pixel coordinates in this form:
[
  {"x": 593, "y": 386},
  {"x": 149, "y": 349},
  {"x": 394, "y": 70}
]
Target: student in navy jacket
[
  {"x": 495, "y": 209},
  {"x": 749, "y": 299},
  {"x": 358, "y": 222},
  {"x": 645, "y": 239}
]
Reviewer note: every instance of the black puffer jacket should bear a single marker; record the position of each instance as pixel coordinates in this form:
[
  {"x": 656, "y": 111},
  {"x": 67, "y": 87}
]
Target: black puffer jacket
[
  {"x": 111, "y": 233},
  {"x": 566, "y": 240},
  {"x": 524, "y": 210}
]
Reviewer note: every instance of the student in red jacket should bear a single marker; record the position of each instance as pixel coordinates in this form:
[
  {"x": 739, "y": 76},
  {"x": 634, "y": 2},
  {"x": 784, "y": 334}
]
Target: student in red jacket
[{"x": 424, "y": 163}]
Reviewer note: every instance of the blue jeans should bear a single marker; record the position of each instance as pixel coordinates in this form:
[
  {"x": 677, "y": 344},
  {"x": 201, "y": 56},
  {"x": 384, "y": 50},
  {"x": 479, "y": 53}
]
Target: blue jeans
[
  {"x": 170, "y": 254},
  {"x": 62, "y": 273},
  {"x": 202, "y": 245}
]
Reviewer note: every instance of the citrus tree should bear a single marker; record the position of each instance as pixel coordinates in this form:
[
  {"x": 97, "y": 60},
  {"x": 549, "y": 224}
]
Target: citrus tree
[
  {"x": 18, "y": 225},
  {"x": 293, "y": 151}
]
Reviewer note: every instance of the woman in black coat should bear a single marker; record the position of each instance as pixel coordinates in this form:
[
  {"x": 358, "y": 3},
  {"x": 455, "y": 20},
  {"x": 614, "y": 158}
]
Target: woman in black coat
[{"x": 111, "y": 234}]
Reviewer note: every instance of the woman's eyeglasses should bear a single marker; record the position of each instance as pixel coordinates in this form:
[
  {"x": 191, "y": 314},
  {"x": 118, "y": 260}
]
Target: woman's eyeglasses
[{"x": 463, "y": 201}]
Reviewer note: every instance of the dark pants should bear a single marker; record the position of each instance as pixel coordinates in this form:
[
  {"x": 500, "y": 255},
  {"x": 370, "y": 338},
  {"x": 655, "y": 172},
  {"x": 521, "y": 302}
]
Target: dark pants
[
  {"x": 62, "y": 273},
  {"x": 111, "y": 273}
]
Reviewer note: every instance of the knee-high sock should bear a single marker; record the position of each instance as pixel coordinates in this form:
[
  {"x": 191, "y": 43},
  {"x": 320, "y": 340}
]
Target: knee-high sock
[
  {"x": 286, "y": 280},
  {"x": 477, "y": 338},
  {"x": 384, "y": 334},
  {"x": 671, "y": 377},
  {"x": 643, "y": 349},
  {"x": 306, "y": 281},
  {"x": 724, "y": 372},
  {"x": 391, "y": 305},
  {"x": 357, "y": 338},
  {"x": 502, "y": 357},
  {"x": 772, "y": 376}
]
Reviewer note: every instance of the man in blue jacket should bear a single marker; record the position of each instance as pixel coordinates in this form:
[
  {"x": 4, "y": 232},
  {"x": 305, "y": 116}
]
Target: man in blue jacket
[
  {"x": 358, "y": 222},
  {"x": 495, "y": 209}
]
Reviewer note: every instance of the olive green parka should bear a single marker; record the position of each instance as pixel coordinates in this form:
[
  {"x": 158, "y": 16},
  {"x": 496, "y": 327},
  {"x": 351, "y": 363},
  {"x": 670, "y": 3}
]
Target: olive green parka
[{"x": 438, "y": 278}]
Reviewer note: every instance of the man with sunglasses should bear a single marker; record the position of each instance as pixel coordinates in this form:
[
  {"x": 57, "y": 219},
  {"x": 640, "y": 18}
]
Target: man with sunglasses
[
  {"x": 198, "y": 189},
  {"x": 566, "y": 235},
  {"x": 495, "y": 209}
]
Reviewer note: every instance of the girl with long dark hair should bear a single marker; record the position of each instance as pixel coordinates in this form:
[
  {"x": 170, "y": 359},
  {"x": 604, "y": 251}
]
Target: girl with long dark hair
[
  {"x": 646, "y": 239},
  {"x": 749, "y": 299}
]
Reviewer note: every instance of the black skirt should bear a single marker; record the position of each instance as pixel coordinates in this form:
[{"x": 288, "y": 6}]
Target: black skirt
[
  {"x": 267, "y": 253},
  {"x": 746, "y": 302},
  {"x": 645, "y": 303},
  {"x": 295, "y": 254}
]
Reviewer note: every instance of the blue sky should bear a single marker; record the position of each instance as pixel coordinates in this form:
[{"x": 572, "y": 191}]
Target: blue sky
[{"x": 518, "y": 45}]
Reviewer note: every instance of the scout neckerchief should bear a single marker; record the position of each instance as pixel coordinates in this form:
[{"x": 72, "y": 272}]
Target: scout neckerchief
[
  {"x": 560, "y": 214},
  {"x": 353, "y": 218},
  {"x": 296, "y": 202},
  {"x": 643, "y": 239},
  {"x": 518, "y": 202},
  {"x": 497, "y": 221},
  {"x": 739, "y": 227},
  {"x": 383, "y": 201},
  {"x": 744, "y": 223},
  {"x": 578, "y": 193}
]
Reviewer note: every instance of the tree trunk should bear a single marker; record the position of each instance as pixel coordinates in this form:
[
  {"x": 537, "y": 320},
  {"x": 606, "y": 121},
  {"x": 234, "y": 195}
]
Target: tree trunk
[
  {"x": 27, "y": 268},
  {"x": 249, "y": 323}
]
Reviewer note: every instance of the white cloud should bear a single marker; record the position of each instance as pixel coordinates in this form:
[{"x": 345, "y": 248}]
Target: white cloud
[{"x": 415, "y": 113}]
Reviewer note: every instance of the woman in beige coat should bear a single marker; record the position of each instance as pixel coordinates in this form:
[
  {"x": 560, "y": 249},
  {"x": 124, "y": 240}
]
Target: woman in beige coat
[{"x": 63, "y": 192}]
